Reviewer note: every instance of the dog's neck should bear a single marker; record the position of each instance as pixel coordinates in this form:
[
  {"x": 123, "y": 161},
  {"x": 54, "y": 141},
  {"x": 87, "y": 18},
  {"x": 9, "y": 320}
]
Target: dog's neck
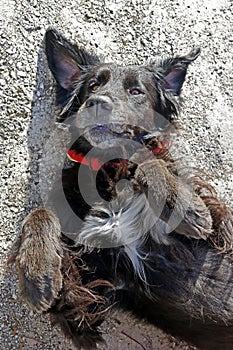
[{"x": 95, "y": 163}]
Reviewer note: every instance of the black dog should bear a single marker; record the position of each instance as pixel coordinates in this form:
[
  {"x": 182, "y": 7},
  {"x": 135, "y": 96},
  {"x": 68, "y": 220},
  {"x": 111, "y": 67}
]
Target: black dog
[{"x": 150, "y": 239}]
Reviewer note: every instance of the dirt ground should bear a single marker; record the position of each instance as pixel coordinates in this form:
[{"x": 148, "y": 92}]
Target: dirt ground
[{"x": 127, "y": 31}]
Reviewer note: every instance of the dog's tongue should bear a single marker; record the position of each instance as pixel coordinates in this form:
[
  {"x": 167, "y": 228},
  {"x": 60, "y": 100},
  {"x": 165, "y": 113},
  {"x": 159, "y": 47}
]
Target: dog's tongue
[{"x": 96, "y": 164}]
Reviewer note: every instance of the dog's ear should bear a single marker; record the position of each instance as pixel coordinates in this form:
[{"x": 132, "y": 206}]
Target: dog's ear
[
  {"x": 169, "y": 77},
  {"x": 67, "y": 62},
  {"x": 173, "y": 71}
]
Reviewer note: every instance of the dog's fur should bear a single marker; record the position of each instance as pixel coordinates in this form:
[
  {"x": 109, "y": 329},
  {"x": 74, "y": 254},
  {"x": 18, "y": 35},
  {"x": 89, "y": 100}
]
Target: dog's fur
[{"x": 172, "y": 266}]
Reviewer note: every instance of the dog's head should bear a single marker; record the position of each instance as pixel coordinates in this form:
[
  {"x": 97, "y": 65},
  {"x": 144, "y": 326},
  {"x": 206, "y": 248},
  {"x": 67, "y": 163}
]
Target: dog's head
[{"x": 111, "y": 103}]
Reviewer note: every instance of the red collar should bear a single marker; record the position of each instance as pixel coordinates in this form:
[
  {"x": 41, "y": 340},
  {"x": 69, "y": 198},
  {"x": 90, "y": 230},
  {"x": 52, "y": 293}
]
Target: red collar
[{"x": 96, "y": 164}]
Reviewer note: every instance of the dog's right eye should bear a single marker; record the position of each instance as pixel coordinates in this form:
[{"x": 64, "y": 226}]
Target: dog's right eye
[{"x": 94, "y": 86}]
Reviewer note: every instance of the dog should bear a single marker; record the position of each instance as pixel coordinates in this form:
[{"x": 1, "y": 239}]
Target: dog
[{"x": 149, "y": 238}]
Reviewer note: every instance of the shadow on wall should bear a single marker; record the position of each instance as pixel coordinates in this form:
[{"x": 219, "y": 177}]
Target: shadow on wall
[
  {"x": 43, "y": 116},
  {"x": 40, "y": 127}
]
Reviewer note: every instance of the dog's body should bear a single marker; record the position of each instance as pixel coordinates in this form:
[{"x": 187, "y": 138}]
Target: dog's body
[{"x": 162, "y": 246}]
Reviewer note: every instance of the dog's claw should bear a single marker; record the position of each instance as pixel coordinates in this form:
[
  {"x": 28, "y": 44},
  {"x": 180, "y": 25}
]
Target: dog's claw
[{"x": 39, "y": 259}]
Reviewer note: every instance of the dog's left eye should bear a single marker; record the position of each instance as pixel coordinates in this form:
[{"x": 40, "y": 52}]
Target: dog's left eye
[{"x": 135, "y": 91}]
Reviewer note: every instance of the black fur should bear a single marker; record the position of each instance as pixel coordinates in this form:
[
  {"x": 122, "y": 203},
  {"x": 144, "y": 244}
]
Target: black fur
[{"x": 178, "y": 273}]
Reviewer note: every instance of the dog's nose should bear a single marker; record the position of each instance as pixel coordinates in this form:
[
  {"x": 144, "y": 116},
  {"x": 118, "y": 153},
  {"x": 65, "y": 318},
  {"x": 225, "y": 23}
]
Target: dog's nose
[{"x": 100, "y": 103}]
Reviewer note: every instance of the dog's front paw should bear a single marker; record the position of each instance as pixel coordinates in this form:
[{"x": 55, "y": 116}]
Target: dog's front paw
[
  {"x": 39, "y": 259},
  {"x": 151, "y": 175},
  {"x": 173, "y": 200}
]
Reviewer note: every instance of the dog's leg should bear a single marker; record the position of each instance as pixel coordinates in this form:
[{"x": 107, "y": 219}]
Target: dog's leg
[
  {"x": 50, "y": 279},
  {"x": 39, "y": 259},
  {"x": 173, "y": 200}
]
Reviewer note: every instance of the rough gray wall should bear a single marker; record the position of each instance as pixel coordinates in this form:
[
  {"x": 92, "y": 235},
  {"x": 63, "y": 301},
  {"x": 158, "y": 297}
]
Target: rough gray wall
[{"x": 127, "y": 31}]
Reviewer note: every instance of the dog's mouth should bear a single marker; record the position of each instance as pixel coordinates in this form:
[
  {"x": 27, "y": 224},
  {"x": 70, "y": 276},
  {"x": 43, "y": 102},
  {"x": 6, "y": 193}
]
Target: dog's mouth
[
  {"x": 111, "y": 135},
  {"x": 114, "y": 141},
  {"x": 103, "y": 136}
]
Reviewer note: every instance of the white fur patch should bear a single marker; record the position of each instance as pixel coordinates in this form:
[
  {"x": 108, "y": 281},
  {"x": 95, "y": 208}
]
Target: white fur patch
[
  {"x": 127, "y": 222},
  {"x": 124, "y": 220}
]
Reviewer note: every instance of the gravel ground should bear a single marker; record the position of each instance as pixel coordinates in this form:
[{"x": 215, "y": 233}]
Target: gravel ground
[{"x": 127, "y": 31}]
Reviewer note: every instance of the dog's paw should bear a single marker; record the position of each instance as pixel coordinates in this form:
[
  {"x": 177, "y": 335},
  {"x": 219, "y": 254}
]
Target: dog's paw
[
  {"x": 173, "y": 200},
  {"x": 152, "y": 175},
  {"x": 190, "y": 216},
  {"x": 39, "y": 259}
]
